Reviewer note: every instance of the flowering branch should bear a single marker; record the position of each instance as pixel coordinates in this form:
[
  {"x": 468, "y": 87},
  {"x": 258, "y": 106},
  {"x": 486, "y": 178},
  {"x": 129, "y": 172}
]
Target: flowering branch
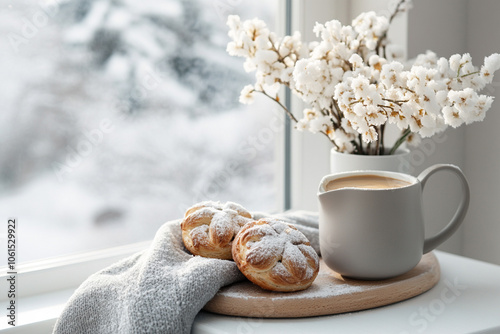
[
  {"x": 400, "y": 7},
  {"x": 400, "y": 141},
  {"x": 355, "y": 81},
  {"x": 292, "y": 117},
  {"x": 276, "y": 99}
]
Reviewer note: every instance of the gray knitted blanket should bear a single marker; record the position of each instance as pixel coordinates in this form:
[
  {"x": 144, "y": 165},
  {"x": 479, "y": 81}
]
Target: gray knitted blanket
[{"x": 159, "y": 290}]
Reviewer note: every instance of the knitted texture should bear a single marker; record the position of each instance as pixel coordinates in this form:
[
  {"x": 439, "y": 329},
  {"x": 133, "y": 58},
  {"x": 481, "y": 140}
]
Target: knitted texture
[{"x": 159, "y": 290}]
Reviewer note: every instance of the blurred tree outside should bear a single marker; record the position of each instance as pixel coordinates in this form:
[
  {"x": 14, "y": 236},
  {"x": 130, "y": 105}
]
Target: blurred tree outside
[{"x": 118, "y": 115}]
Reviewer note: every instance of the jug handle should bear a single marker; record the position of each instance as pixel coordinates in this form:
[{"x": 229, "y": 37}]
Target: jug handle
[{"x": 434, "y": 241}]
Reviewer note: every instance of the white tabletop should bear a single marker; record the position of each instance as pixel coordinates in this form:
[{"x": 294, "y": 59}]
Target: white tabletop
[{"x": 466, "y": 300}]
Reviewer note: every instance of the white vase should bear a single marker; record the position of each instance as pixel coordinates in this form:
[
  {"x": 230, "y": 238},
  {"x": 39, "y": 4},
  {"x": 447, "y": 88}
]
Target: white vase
[{"x": 344, "y": 162}]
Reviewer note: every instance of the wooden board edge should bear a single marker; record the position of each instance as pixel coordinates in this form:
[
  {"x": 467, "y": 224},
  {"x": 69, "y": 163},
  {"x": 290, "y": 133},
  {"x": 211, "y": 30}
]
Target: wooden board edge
[{"x": 310, "y": 307}]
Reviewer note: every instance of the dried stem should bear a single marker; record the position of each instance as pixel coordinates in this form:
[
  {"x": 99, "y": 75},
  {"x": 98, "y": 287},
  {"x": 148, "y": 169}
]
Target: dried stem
[
  {"x": 292, "y": 117},
  {"x": 330, "y": 139},
  {"x": 400, "y": 141},
  {"x": 382, "y": 147},
  {"x": 466, "y": 75},
  {"x": 393, "y": 15},
  {"x": 398, "y": 102},
  {"x": 361, "y": 151}
]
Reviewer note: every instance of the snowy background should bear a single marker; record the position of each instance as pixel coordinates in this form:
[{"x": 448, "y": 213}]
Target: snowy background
[{"x": 116, "y": 116}]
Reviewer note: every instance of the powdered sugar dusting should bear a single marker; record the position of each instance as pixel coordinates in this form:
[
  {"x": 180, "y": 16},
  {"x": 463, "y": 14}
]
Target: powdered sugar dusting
[
  {"x": 325, "y": 286},
  {"x": 296, "y": 261},
  {"x": 222, "y": 224},
  {"x": 199, "y": 235},
  {"x": 330, "y": 287},
  {"x": 281, "y": 271},
  {"x": 307, "y": 251},
  {"x": 233, "y": 206},
  {"x": 224, "y": 220},
  {"x": 279, "y": 248},
  {"x": 227, "y": 207},
  {"x": 203, "y": 213},
  {"x": 265, "y": 252}
]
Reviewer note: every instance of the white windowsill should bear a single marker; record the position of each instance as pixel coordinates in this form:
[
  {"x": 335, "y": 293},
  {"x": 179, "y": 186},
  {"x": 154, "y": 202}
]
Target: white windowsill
[
  {"x": 44, "y": 287},
  {"x": 38, "y": 314}
]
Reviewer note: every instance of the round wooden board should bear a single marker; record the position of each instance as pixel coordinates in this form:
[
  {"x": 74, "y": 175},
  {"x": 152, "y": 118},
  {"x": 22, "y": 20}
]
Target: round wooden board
[{"x": 330, "y": 294}]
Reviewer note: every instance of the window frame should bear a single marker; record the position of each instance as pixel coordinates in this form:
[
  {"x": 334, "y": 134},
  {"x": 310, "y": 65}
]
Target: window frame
[
  {"x": 44, "y": 286},
  {"x": 301, "y": 159},
  {"x": 310, "y": 153}
]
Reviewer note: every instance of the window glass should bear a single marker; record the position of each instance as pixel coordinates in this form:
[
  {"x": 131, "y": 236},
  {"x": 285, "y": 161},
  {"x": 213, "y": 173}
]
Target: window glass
[{"x": 119, "y": 115}]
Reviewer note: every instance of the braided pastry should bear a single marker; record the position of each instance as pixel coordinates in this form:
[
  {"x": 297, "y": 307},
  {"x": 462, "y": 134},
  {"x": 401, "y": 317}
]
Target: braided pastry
[
  {"x": 275, "y": 255},
  {"x": 208, "y": 228}
]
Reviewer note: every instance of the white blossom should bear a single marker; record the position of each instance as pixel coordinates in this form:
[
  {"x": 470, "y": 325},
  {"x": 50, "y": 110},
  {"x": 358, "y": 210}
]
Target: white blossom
[
  {"x": 355, "y": 81},
  {"x": 376, "y": 62},
  {"x": 370, "y": 27},
  {"x": 452, "y": 116},
  {"x": 356, "y": 60},
  {"x": 370, "y": 135},
  {"x": 454, "y": 62},
  {"x": 247, "y": 94},
  {"x": 491, "y": 64},
  {"x": 413, "y": 139},
  {"x": 394, "y": 52},
  {"x": 343, "y": 140},
  {"x": 390, "y": 74},
  {"x": 483, "y": 103},
  {"x": 302, "y": 125}
]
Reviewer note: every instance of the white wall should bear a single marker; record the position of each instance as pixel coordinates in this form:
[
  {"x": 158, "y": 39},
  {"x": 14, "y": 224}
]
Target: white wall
[
  {"x": 310, "y": 152},
  {"x": 446, "y": 27},
  {"x": 459, "y": 26},
  {"x": 440, "y": 26},
  {"x": 482, "y": 149}
]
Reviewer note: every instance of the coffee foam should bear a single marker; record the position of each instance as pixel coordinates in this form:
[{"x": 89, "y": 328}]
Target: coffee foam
[{"x": 366, "y": 181}]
